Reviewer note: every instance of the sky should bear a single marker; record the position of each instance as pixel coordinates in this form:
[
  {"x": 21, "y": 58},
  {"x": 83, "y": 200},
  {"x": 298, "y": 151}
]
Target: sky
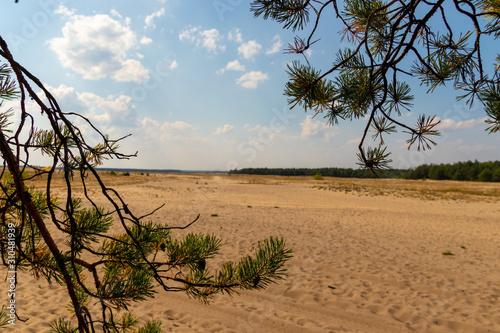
[{"x": 198, "y": 85}]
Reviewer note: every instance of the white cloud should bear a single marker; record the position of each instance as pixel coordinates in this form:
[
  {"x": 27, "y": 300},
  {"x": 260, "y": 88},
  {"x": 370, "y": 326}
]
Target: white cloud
[
  {"x": 316, "y": 129},
  {"x": 249, "y": 49},
  {"x": 277, "y": 44},
  {"x": 464, "y": 124},
  {"x": 173, "y": 64},
  {"x": 96, "y": 47},
  {"x": 62, "y": 91},
  {"x": 265, "y": 135},
  {"x": 114, "y": 110},
  {"x": 179, "y": 131},
  {"x": 189, "y": 34},
  {"x": 114, "y": 12},
  {"x": 149, "y": 124},
  {"x": 235, "y": 35},
  {"x": 354, "y": 141},
  {"x": 232, "y": 66},
  {"x": 146, "y": 40},
  {"x": 151, "y": 130},
  {"x": 176, "y": 126},
  {"x": 251, "y": 79},
  {"x": 225, "y": 129},
  {"x": 127, "y": 71},
  {"x": 209, "y": 39},
  {"x": 150, "y": 18},
  {"x": 65, "y": 11},
  {"x": 235, "y": 66},
  {"x": 114, "y": 114},
  {"x": 252, "y": 129}
]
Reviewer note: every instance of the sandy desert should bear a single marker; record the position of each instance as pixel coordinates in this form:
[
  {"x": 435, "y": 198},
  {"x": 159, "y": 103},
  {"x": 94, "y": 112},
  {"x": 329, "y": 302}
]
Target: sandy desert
[{"x": 368, "y": 255}]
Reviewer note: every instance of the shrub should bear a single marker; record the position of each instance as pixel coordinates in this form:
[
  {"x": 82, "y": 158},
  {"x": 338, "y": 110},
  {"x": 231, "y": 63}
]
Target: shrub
[{"x": 318, "y": 176}]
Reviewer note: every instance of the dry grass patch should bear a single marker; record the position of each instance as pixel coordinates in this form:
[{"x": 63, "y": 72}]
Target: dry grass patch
[{"x": 421, "y": 189}]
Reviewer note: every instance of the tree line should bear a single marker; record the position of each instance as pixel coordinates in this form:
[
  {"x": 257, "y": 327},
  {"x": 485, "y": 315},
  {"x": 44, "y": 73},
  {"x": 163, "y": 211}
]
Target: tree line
[
  {"x": 326, "y": 172},
  {"x": 469, "y": 171}
]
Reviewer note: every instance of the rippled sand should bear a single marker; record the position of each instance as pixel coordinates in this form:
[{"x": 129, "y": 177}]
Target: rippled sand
[{"x": 368, "y": 254}]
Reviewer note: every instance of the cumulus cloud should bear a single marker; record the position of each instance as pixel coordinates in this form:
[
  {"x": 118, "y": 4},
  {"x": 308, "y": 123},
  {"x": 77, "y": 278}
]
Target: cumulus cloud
[
  {"x": 265, "y": 135},
  {"x": 276, "y": 47},
  {"x": 173, "y": 64},
  {"x": 249, "y": 49},
  {"x": 151, "y": 130},
  {"x": 65, "y": 11},
  {"x": 189, "y": 34},
  {"x": 232, "y": 66},
  {"x": 179, "y": 131},
  {"x": 316, "y": 129},
  {"x": 251, "y": 79},
  {"x": 150, "y": 18},
  {"x": 146, "y": 40},
  {"x": 176, "y": 126},
  {"x": 463, "y": 124},
  {"x": 225, "y": 129},
  {"x": 115, "y": 108},
  {"x": 127, "y": 71},
  {"x": 149, "y": 124},
  {"x": 114, "y": 12},
  {"x": 235, "y": 66},
  {"x": 113, "y": 114},
  {"x": 235, "y": 35},
  {"x": 209, "y": 39},
  {"x": 354, "y": 141},
  {"x": 97, "y": 47},
  {"x": 111, "y": 109}
]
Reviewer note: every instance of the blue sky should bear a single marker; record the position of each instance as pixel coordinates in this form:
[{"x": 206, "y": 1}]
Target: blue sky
[{"x": 199, "y": 86}]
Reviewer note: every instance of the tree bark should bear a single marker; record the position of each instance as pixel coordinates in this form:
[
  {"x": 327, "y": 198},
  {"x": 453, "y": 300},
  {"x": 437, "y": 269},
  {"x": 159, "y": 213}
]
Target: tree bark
[{"x": 25, "y": 198}]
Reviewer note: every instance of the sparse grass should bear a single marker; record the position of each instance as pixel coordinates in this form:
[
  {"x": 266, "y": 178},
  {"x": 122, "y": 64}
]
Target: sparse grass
[
  {"x": 419, "y": 189},
  {"x": 214, "y": 215},
  {"x": 249, "y": 206},
  {"x": 108, "y": 177},
  {"x": 424, "y": 190},
  {"x": 448, "y": 253}
]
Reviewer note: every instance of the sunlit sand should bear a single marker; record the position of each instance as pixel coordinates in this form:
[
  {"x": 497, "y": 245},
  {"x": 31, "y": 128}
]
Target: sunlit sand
[{"x": 369, "y": 255}]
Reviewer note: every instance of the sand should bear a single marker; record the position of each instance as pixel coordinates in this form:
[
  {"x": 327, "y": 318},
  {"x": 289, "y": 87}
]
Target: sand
[{"x": 368, "y": 254}]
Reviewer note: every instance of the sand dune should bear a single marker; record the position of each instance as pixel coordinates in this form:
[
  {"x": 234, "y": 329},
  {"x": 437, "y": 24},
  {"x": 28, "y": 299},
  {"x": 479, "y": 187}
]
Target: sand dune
[{"x": 368, "y": 255}]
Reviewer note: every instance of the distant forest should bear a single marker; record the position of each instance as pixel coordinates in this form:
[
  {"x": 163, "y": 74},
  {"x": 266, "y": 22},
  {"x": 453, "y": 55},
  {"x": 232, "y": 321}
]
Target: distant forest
[
  {"x": 326, "y": 172},
  {"x": 470, "y": 171}
]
